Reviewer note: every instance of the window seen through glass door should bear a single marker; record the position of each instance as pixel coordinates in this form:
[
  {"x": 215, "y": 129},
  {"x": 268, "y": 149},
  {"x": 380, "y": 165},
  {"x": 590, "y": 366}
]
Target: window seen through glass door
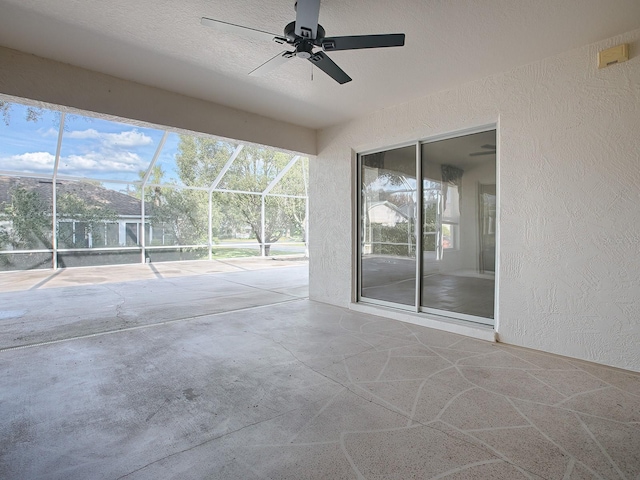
[{"x": 459, "y": 225}]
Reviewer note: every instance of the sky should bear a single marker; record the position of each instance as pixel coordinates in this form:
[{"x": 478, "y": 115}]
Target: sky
[{"x": 91, "y": 148}]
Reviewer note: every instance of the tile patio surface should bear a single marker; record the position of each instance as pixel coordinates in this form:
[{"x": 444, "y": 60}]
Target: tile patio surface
[{"x": 291, "y": 390}]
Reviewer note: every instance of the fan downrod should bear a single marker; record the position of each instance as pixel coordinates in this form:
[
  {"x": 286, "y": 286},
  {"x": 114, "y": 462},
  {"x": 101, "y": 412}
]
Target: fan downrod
[{"x": 293, "y": 39}]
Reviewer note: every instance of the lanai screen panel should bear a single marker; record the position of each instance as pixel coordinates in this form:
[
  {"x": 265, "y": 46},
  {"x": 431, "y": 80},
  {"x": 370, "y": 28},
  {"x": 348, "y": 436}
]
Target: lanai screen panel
[
  {"x": 28, "y": 142},
  {"x": 28, "y": 139},
  {"x": 191, "y": 160},
  {"x": 98, "y": 191},
  {"x": 254, "y": 169},
  {"x": 106, "y": 150}
]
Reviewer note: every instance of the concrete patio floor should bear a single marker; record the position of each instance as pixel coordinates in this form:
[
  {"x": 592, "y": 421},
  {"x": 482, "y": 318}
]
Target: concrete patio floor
[
  {"x": 229, "y": 372},
  {"x": 44, "y": 305}
]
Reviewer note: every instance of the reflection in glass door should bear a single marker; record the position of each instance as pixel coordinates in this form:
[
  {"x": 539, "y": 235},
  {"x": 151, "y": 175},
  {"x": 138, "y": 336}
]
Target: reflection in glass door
[
  {"x": 388, "y": 210},
  {"x": 459, "y": 206},
  {"x": 430, "y": 245},
  {"x": 487, "y": 227}
]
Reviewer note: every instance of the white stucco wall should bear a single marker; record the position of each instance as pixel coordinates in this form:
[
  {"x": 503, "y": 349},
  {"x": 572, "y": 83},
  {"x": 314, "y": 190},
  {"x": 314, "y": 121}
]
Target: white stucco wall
[
  {"x": 27, "y": 76},
  {"x": 569, "y": 189}
]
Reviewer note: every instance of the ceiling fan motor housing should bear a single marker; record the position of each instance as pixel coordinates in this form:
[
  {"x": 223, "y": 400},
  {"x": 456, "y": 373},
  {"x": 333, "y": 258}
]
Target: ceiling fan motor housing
[
  {"x": 304, "y": 50},
  {"x": 304, "y": 46}
]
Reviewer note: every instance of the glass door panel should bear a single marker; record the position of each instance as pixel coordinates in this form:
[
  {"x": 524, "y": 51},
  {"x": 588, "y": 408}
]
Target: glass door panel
[
  {"x": 458, "y": 224},
  {"x": 388, "y": 226}
]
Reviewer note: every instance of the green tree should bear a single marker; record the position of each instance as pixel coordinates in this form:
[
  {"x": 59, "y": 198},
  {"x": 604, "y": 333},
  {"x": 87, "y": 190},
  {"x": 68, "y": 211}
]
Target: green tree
[
  {"x": 153, "y": 194},
  {"x": 72, "y": 208},
  {"x": 252, "y": 171},
  {"x": 28, "y": 221},
  {"x": 295, "y": 209},
  {"x": 32, "y": 114},
  {"x": 199, "y": 161},
  {"x": 182, "y": 214}
]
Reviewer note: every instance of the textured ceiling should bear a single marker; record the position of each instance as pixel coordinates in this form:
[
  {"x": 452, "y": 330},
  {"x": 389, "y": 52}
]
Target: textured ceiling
[{"x": 449, "y": 42}]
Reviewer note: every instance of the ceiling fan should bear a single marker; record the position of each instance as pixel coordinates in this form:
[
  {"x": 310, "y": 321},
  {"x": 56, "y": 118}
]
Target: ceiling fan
[
  {"x": 307, "y": 38},
  {"x": 490, "y": 150}
]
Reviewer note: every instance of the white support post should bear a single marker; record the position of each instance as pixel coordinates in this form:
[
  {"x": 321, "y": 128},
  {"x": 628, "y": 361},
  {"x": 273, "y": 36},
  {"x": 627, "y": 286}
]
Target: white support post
[
  {"x": 213, "y": 186},
  {"x": 147, "y": 174},
  {"x": 282, "y": 173},
  {"x": 54, "y": 195},
  {"x": 210, "y": 224},
  {"x": 226, "y": 167},
  {"x": 143, "y": 237},
  {"x": 262, "y": 227},
  {"x": 306, "y": 210},
  {"x": 145, "y": 179}
]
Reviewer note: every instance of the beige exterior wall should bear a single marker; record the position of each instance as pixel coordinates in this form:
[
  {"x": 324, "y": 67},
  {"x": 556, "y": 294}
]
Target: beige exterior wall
[{"x": 569, "y": 198}]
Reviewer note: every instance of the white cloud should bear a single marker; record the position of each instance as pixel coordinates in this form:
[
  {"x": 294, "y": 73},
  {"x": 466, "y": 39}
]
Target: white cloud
[
  {"x": 127, "y": 139},
  {"x": 96, "y": 154},
  {"x": 51, "y": 132},
  {"x": 132, "y": 138},
  {"x": 94, "y": 162},
  {"x": 33, "y": 162},
  {"x": 82, "y": 134},
  {"x": 107, "y": 165}
]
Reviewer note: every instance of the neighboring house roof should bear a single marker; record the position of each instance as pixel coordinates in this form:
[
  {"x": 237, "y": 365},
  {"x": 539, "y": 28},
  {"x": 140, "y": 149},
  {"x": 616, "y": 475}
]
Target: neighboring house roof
[
  {"x": 93, "y": 194},
  {"x": 387, "y": 213},
  {"x": 402, "y": 210}
]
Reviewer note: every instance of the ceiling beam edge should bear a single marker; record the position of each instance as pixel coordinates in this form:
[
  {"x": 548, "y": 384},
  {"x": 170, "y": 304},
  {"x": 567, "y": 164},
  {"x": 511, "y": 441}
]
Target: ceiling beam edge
[{"x": 58, "y": 84}]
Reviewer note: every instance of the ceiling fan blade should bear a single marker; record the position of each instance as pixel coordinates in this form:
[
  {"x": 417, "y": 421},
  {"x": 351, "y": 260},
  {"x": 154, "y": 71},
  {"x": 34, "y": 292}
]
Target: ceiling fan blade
[
  {"x": 307, "y": 12},
  {"x": 324, "y": 63},
  {"x": 363, "y": 41},
  {"x": 477, "y": 154},
  {"x": 272, "y": 63},
  {"x": 237, "y": 29}
]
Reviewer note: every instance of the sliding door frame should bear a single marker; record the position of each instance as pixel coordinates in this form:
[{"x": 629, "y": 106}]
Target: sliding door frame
[
  {"x": 358, "y": 284},
  {"x": 417, "y": 308}
]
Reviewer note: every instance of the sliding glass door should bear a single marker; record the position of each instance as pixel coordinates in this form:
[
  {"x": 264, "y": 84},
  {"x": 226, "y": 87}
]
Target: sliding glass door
[
  {"x": 388, "y": 226},
  {"x": 430, "y": 245},
  {"x": 458, "y": 175}
]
